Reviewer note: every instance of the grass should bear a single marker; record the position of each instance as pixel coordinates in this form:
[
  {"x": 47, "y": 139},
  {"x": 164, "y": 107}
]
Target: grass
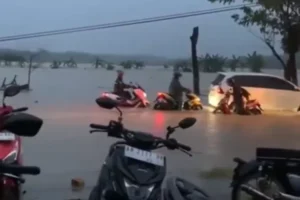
[{"x": 217, "y": 173}]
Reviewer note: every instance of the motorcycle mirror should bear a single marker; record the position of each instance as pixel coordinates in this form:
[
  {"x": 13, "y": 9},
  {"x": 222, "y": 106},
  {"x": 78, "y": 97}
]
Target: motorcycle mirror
[
  {"x": 10, "y": 91},
  {"x": 187, "y": 122},
  {"x": 106, "y": 103},
  {"x": 22, "y": 124}
]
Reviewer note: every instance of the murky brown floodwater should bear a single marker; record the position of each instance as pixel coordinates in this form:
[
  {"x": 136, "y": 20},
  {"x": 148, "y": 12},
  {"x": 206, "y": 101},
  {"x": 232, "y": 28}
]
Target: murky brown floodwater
[{"x": 65, "y": 149}]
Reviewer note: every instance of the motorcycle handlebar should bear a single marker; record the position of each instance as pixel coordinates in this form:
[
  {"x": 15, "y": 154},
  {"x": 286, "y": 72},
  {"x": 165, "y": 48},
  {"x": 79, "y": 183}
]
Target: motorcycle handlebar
[
  {"x": 22, "y": 109},
  {"x": 102, "y": 128},
  {"x": 98, "y": 126},
  {"x": 184, "y": 147},
  {"x": 16, "y": 169}
]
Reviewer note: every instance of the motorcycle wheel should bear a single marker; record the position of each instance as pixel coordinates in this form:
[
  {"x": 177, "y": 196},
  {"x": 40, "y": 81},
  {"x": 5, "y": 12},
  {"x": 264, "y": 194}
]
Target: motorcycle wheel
[
  {"x": 236, "y": 192},
  {"x": 156, "y": 106},
  {"x": 186, "y": 106}
]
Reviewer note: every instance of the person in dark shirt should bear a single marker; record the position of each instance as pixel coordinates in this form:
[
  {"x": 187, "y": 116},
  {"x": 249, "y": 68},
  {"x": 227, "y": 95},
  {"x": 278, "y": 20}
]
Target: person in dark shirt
[
  {"x": 238, "y": 92},
  {"x": 119, "y": 85},
  {"x": 176, "y": 89}
]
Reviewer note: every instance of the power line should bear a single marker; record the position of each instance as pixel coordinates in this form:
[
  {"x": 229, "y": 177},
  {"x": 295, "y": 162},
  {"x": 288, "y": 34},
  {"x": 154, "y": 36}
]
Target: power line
[{"x": 124, "y": 23}]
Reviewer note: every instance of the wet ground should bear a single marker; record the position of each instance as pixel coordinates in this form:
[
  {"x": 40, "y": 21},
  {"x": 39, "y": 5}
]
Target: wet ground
[{"x": 64, "y": 149}]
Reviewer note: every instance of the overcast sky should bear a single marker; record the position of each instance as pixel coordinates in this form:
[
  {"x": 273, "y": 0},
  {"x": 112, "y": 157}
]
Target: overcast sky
[{"x": 218, "y": 32}]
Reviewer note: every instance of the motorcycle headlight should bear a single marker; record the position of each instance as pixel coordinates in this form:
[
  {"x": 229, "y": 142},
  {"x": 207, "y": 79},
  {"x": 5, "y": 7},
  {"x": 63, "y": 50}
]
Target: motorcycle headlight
[
  {"x": 11, "y": 157},
  {"x": 137, "y": 192}
]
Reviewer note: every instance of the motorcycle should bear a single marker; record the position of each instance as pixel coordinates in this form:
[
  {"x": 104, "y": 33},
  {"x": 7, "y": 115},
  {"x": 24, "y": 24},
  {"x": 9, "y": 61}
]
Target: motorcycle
[
  {"x": 13, "y": 125},
  {"x": 135, "y": 97},
  {"x": 279, "y": 166},
  {"x": 6, "y": 171},
  {"x": 131, "y": 170},
  {"x": 10, "y": 144},
  {"x": 253, "y": 107},
  {"x": 258, "y": 195},
  {"x": 165, "y": 101}
]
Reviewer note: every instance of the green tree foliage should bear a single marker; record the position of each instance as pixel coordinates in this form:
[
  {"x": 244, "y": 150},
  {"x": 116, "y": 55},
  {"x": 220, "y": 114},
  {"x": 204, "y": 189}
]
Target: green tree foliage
[
  {"x": 212, "y": 63},
  {"x": 234, "y": 63},
  {"x": 55, "y": 64},
  {"x": 127, "y": 64},
  {"x": 110, "y": 67},
  {"x": 8, "y": 58},
  {"x": 182, "y": 65},
  {"x": 138, "y": 64},
  {"x": 98, "y": 63},
  {"x": 255, "y": 62},
  {"x": 71, "y": 63},
  {"x": 274, "y": 17}
]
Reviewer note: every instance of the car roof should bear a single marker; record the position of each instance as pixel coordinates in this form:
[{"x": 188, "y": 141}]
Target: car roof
[{"x": 230, "y": 74}]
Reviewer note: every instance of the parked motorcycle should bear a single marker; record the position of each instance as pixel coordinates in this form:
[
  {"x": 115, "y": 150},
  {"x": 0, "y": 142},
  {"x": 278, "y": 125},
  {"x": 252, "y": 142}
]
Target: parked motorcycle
[
  {"x": 259, "y": 195},
  {"x": 165, "y": 101},
  {"x": 135, "y": 97},
  {"x": 10, "y": 144},
  {"x": 8, "y": 189},
  {"x": 132, "y": 170},
  {"x": 278, "y": 166},
  {"x": 12, "y": 126}
]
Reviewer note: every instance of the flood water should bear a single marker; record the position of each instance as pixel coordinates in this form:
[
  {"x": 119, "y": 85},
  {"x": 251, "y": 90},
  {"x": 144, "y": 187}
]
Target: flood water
[{"x": 64, "y": 149}]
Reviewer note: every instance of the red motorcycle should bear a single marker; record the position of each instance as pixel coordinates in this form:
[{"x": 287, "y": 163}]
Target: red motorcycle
[{"x": 10, "y": 145}]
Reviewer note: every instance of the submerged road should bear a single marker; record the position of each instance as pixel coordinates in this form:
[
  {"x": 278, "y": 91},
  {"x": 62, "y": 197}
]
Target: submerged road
[{"x": 64, "y": 149}]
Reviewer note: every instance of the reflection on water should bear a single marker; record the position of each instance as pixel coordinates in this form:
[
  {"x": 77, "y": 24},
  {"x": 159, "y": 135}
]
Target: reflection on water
[{"x": 213, "y": 134}]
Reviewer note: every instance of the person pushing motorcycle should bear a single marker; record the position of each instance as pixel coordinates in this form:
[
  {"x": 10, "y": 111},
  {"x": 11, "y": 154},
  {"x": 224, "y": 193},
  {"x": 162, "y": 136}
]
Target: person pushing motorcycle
[
  {"x": 238, "y": 93},
  {"x": 176, "y": 89},
  {"x": 119, "y": 85}
]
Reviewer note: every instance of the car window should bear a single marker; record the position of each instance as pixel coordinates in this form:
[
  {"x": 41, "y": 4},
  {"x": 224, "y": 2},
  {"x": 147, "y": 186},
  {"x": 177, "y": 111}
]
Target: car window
[
  {"x": 218, "y": 79},
  {"x": 278, "y": 84},
  {"x": 263, "y": 82},
  {"x": 244, "y": 80}
]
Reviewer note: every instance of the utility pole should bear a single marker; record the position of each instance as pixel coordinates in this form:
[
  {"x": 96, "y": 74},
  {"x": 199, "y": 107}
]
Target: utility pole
[{"x": 196, "y": 75}]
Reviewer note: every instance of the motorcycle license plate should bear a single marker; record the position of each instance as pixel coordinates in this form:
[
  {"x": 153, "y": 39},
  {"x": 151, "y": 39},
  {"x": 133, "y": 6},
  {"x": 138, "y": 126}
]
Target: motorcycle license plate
[
  {"x": 7, "y": 136},
  {"x": 144, "y": 156}
]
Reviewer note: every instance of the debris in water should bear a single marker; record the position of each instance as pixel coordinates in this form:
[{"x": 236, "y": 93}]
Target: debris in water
[{"x": 77, "y": 184}]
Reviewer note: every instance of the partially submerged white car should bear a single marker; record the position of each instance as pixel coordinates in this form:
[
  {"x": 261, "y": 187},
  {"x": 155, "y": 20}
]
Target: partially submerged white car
[{"x": 272, "y": 92}]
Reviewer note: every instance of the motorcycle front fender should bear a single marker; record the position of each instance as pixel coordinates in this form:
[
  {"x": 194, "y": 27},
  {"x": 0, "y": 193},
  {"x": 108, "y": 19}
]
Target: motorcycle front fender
[{"x": 244, "y": 169}]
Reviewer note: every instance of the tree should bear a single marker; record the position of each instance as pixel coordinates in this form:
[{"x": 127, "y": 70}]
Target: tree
[
  {"x": 55, "y": 64},
  {"x": 99, "y": 62},
  {"x": 234, "y": 62},
  {"x": 212, "y": 63},
  {"x": 182, "y": 65},
  {"x": 127, "y": 64},
  {"x": 110, "y": 67},
  {"x": 275, "y": 17},
  {"x": 139, "y": 64},
  {"x": 71, "y": 63},
  {"x": 255, "y": 62}
]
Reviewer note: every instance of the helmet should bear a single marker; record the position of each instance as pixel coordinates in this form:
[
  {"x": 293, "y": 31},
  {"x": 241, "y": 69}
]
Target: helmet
[
  {"x": 230, "y": 81},
  {"x": 177, "y": 74},
  {"x": 180, "y": 189},
  {"x": 120, "y": 72}
]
